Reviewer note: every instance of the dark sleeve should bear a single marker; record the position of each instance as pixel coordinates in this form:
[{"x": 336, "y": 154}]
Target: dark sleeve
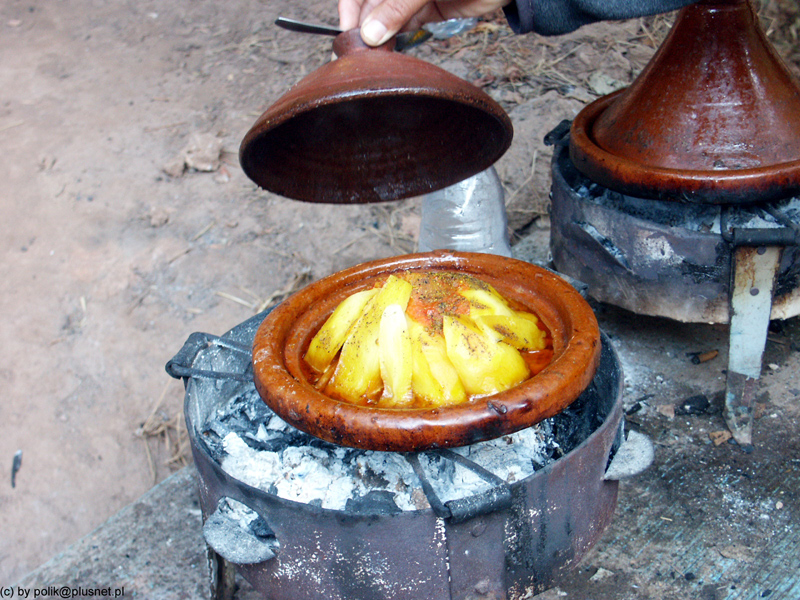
[{"x": 556, "y": 17}]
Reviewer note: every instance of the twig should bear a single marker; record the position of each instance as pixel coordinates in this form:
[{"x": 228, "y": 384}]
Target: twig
[
  {"x": 350, "y": 243},
  {"x": 150, "y": 461},
  {"x": 147, "y": 422},
  {"x": 11, "y": 126},
  {"x": 203, "y": 231},
  {"x": 299, "y": 280},
  {"x": 236, "y": 299},
  {"x": 183, "y": 252},
  {"x": 528, "y": 180},
  {"x": 159, "y": 127}
]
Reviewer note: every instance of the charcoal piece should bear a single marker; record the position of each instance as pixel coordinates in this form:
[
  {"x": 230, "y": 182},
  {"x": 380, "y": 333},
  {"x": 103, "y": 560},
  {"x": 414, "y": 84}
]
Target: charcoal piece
[
  {"x": 375, "y": 502},
  {"x": 577, "y": 422},
  {"x": 213, "y": 444},
  {"x": 260, "y": 528},
  {"x": 695, "y": 405},
  {"x": 634, "y": 409}
]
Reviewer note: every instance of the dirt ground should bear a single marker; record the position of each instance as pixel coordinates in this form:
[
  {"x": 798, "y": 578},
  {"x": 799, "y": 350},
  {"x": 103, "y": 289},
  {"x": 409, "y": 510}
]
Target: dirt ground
[{"x": 112, "y": 256}]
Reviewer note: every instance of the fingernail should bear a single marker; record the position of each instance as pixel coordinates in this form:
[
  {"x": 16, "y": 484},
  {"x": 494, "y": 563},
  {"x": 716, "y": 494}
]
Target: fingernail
[{"x": 373, "y": 32}]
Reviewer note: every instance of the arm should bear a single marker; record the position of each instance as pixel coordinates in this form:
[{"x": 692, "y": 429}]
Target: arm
[
  {"x": 556, "y": 17},
  {"x": 381, "y": 19}
]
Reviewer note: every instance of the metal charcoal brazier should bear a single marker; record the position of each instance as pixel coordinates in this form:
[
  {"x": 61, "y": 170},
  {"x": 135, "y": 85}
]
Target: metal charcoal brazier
[{"x": 514, "y": 542}]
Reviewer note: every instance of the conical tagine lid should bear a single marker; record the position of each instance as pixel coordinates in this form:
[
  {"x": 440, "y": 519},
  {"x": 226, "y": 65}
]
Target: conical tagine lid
[
  {"x": 714, "y": 117},
  {"x": 371, "y": 126}
]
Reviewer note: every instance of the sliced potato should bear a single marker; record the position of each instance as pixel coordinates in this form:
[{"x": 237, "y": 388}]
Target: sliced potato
[
  {"x": 396, "y": 361},
  {"x": 485, "y": 302},
  {"x": 485, "y": 366},
  {"x": 434, "y": 379},
  {"x": 358, "y": 373},
  {"x": 329, "y": 339},
  {"x": 520, "y": 330}
]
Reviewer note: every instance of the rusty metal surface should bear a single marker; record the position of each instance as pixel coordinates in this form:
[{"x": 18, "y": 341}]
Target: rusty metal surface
[
  {"x": 714, "y": 117},
  {"x": 751, "y": 303},
  {"x": 652, "y": 257},
  {"x": 373, "y": 126},
  {"x": 555, "y": 516}
]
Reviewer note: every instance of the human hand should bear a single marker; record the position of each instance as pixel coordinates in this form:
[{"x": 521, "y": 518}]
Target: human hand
[{"x": 381, "y": 19}]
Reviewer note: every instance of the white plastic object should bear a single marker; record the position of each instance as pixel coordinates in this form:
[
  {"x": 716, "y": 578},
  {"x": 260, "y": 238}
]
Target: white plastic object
[{"x": 468, "y": 216}]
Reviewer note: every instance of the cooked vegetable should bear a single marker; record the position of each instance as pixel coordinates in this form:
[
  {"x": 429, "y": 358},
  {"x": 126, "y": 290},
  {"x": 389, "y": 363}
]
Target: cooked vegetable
[
  {"x": 329, "y": 340},
  {"x": 435, "y": 379},
  {"x": 396, "y": 360},
  {"x": 425, "y": 339},
  {"x": 484, "y": 365},
  {"x": 519, "y": 329},
  {"x": 358, "y": 374}
]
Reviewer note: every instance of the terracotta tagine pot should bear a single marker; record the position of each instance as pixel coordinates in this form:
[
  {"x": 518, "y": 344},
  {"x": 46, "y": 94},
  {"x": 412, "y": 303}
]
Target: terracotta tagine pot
[
  {"x": 371, "y": 126},
  {"x": 283, "y": 338},
  {"x": 714, "y": 116}
]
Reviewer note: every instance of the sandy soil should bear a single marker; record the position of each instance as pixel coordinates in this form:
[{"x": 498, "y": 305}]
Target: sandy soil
[{"x": 109, "y": 263}]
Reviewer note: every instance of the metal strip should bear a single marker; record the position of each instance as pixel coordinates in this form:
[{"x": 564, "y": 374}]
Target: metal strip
[{"x": 751, "y": 305}]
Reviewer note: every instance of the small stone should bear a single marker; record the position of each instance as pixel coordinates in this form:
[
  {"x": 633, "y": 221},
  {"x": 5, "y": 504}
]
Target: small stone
[
  {"x": 779, "y": 505},
  {"x": 601, "y": 574},
  {"x": 668, "y": 410},
  {"x": 203, "y": 152},
  {"x": 737, "y": 552},
  {"x": 222, "y": 176},
  {"x": 159, "y": 217},
  {"x": 719, "y": 437},
  {"x": 175, "y": 166}
]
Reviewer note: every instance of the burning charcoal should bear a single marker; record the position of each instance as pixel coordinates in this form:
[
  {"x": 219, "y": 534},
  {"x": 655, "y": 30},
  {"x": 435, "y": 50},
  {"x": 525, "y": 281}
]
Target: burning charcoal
[
  {"x": 375, "y": 502},
  {"x": 254, "y": 445},
  {"x": 695, "y": 405}
]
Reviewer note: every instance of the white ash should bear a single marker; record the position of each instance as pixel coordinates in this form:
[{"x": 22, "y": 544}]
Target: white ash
[
  {"x": 239, "y": 513},
  {"x": 276, "y": 458}
]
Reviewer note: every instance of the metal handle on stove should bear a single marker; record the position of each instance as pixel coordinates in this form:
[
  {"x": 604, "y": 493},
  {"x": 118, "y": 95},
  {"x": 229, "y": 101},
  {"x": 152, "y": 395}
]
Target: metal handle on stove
[
  {"x": 498, "y": 497},
  {"x": 237, "y": 542},
  {"x": 634, "y": 456},
  {"x": 181, "y": 365}
]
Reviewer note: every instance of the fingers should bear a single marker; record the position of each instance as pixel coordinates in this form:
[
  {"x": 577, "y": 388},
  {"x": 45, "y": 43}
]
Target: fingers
[
  {"x": 381, "y": 19},
  {"x": 349, "y": 11},
  {"x": 387, "y": 18},
  {"x": 353, "y": 12}
]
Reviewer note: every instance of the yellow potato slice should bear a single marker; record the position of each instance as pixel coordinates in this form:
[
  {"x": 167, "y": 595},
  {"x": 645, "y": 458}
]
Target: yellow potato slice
[
  {"x": 358, "y": 373},
  {"x": 520, "y": 330},
  {"x": 485, "y": 302},
  {"x": 434, "y": 378},
  {"x": 484, "y": 365},
  {"x": 396, "y": 361},
  {"x": 329, "y": 339}
]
